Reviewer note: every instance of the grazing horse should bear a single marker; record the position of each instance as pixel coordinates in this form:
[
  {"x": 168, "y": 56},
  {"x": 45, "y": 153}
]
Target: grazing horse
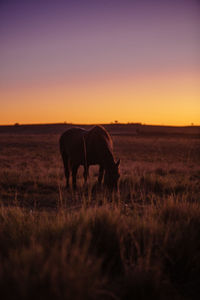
[{"x": 89, "y": 147}]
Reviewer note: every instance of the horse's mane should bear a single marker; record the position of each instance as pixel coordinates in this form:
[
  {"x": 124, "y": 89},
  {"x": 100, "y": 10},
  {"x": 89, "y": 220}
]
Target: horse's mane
[{"x": 100, "y": 130}]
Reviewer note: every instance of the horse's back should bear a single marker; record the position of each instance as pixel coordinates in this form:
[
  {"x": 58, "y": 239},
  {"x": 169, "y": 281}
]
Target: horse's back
[{"x": 81, "y": 145}]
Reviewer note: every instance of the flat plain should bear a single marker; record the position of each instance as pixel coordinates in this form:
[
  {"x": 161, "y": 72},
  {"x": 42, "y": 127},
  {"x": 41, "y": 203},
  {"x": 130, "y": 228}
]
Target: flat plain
[{"x": 142, "y": 242}]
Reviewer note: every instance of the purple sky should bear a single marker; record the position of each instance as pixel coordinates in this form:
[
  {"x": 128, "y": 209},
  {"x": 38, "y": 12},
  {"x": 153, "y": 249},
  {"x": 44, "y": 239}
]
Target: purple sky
[{"x": 61, "y": 42}]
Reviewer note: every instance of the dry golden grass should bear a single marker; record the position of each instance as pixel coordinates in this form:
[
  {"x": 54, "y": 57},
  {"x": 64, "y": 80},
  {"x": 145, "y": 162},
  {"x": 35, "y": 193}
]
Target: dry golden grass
[
  {"x": 142, "y": 243},
  {"x": 31, "y": 169}
]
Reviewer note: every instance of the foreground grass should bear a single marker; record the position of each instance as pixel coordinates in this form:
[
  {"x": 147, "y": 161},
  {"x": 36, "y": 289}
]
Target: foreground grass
[{"x": 107, "y": 252}]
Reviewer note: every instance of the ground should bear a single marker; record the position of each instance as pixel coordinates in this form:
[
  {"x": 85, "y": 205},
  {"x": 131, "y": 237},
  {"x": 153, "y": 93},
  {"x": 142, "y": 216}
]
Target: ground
[{"x": 141, "y": 242}]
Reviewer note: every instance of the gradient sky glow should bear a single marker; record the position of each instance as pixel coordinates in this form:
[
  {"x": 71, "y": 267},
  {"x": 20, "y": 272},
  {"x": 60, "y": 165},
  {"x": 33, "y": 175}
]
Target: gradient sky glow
[{"x": 100, "y": 60}]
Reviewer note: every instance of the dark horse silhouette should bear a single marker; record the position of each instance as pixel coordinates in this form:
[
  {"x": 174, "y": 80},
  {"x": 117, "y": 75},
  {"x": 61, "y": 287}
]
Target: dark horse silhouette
[{"x": 89, "y": 147}]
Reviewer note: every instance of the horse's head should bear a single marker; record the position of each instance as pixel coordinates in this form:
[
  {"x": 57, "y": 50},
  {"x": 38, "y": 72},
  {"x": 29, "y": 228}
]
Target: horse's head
[{"x": 112, "y": 176}]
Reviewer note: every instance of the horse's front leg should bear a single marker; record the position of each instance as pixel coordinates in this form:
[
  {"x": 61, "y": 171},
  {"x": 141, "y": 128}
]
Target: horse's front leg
[
  {"x": 101, "y": 171},
  {"x": 86, "y": 172}
]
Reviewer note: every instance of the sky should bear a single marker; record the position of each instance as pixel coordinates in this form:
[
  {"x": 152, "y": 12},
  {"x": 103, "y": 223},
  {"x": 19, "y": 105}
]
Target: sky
[{"x": 97, "y": 61}]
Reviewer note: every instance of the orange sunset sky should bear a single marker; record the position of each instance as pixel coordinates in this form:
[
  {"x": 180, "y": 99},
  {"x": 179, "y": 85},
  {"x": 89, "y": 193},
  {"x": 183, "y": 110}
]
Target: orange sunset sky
[{"x": 100, "y": 61}]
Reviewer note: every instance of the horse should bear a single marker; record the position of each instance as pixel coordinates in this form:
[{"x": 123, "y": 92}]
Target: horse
[{"x": 89, "y": 147}]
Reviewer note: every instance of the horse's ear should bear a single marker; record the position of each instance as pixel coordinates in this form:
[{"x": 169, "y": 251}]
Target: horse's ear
[{"x": 118, "y": 162}]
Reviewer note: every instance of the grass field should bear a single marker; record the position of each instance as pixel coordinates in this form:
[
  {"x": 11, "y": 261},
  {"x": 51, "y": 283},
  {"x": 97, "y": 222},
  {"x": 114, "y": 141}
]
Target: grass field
[{"x": 140, "y": 243}]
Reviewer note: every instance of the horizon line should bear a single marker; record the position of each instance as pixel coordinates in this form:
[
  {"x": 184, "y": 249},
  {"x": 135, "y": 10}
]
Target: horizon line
[{"x": 110, "y": 123}]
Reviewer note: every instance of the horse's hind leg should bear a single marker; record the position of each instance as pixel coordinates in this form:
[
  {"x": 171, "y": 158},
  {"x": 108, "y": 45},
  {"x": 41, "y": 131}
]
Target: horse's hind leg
[
  {"x": 66, "y": 168},
  {"x": 86, "y": 172}
]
